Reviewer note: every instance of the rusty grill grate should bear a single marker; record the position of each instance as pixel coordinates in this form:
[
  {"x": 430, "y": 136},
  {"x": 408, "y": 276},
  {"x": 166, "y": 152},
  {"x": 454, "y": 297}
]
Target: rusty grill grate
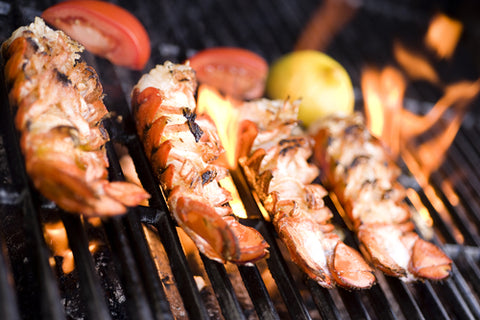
[{"x": 120, "y": 280}]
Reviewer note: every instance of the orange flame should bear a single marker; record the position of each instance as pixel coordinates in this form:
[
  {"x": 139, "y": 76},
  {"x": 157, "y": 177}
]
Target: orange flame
[
  {"x": 400, "y": 129},
  {"x": 223, "y": 113},
  {"x": 441, "y": 123},
  {"x": 421, "y": 140},
  {"x": 383, "y": 94},
  {"x": 221, "y": 110},
  {"x": 443, "y": 35},
  {"x": 237, "y": 205},
  {"x": 56, "y": 238},
  {"x": 416, "y": 66},
  {"x": 325, "y": 22}
]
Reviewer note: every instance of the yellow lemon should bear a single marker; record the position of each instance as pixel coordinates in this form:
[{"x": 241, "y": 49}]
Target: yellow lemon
[{"x": 322, "y": 84}]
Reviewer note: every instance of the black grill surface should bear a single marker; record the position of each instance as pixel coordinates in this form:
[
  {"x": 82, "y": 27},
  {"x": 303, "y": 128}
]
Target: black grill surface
[{"x": 123, "y": 278}]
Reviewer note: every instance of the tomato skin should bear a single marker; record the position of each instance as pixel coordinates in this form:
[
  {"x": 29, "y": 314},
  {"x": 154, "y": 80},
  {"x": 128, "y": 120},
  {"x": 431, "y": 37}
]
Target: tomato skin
[
  {"x": 104, "y": 29},
  {"x": 236, "y": 72}
]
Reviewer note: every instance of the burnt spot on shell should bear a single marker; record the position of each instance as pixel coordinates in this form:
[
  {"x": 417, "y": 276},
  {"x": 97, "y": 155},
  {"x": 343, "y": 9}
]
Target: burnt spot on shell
[
  {"x": 192, "y": 125},
  {"x": 67, "y": 131},
  {"x": 146, "y": 129},
  {"x": 33, "y": 44},
  {"x": 103, "y": 131},
  {"x": 63, "y": 78},
  {"x": 92, "y": 73},
  {"x": 357, "y": 160},
  {"x": 285, "y": 150},
  {"x": 287, "y": 141},
  {"x": 369, "y": 181},
  {"x": 28, "y": 125},
  {"x": 183, "y": 79},
  {"x": 289, "y": 145},
  {"x": 154, "y": 150},
  {"x": 352, "y": 129},
  {"x": 387, "y": 194},
  {"x": 330, "y": 140},
  {"x": 208, "y": 176}
]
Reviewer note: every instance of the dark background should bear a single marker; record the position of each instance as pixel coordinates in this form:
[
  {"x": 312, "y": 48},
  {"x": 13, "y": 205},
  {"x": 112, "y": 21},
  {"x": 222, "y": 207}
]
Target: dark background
[{"x": 272, "y": 27}]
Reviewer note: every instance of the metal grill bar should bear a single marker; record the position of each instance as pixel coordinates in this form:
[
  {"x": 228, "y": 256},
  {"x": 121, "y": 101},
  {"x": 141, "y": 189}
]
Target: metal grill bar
[
  {"x": 409, "y": 305},
  {"x": 458, "y": 213},
  {"x": 157, "y": 216},
  {"x": 223, "y": 289},
  {"x": 277, "y": 266},
  {"x": 323, "y": 301},
  {"x": 131, "y": 274},
  {"x": 459, "y": 306},
  {"x": 380, "y": 304},
  {"x": 429, "y": 301},
  {"x": 183, "y": 275},
  {"x": 48, "y": 305},
  {"x": 127, "y": 269},
  {"x": 155, "y": 293},
  {"x": 283, "y": 279},
  {"x": 469, "y": 263},
  {"x": 442, "y": 226},
  {"x": 7, "y": 294},
  {"x": 355, "y": 307},
  {"x": 147, "y": 270},
  {"x": 460, "y": 283},
  {"x": 454, "y": 170},
  {"x": 258, "y": 293},
  {"x": 90, "y": 288}
]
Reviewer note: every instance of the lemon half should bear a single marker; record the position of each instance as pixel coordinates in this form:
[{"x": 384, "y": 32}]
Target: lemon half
[{"x": 322, "y": 84}]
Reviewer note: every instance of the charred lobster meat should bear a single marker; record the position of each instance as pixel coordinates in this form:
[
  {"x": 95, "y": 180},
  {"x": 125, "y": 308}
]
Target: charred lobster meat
[{"x": 357, "y": 167}]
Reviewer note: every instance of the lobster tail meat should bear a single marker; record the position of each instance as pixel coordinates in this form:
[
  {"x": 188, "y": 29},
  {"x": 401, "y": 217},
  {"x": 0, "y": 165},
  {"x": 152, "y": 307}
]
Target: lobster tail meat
[
  {"x": 58, "y": 112},
  {"x": 277, "y": 169},
  {"x": 182, "y": 148},
  {"x": 357, "y": 167}
]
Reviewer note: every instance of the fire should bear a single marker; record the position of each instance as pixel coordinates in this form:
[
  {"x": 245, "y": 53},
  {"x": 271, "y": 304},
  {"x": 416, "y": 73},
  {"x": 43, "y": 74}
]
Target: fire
[
  {"x": 56, "y": 238},
  {"x": 223, "y": 113},
  {"x": 420, "y": 140},
  {"x": 401, "y": 129},
  {"x": 325, "y": 22},
  {"x": 415, "y": 65},
  {"x": 383, "y": 96},
  {"x": 443, "y": 35},
  {"x": 237, "y": 205}
]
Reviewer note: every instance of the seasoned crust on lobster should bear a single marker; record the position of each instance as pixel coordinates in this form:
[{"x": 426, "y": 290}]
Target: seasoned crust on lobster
[
  {"x": 276, "y": 166},
  {"x": 182, "y": 148},
  {"x": 357, "y": 167},
  {"x": 58, "y": 109}
]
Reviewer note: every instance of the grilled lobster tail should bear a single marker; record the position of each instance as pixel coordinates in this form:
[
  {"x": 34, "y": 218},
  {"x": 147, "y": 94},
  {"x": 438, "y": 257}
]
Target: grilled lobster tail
[
  {"x": 182, "y": 149},
  {"x": 358, "y": 169},
  {"x": 59, "y": 112},
  {"x": 273, "y": 155}
]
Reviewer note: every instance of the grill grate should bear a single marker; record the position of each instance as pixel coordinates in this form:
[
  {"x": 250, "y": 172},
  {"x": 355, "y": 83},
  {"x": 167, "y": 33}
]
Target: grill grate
[{"x": 120, "y": 280}]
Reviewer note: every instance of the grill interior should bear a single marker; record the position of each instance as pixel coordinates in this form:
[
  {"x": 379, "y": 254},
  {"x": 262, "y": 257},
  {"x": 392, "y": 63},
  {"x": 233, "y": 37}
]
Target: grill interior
[{"x": 125, "y": 277}]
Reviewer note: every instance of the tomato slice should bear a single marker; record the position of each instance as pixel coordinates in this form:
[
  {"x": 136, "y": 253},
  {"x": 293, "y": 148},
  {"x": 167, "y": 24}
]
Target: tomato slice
[
  {"x": 105, "y": 29},
  {"x": 236, "y": 72}
]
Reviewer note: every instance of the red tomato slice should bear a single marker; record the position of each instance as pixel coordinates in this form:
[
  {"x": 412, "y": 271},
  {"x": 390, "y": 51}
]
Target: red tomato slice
[
  {"x": 105, "y": 29},
  {"x": 237, "y": 72}
]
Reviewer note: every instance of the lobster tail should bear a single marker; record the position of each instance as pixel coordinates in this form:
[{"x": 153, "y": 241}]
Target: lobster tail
[{"x": 182, "y": 149}]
